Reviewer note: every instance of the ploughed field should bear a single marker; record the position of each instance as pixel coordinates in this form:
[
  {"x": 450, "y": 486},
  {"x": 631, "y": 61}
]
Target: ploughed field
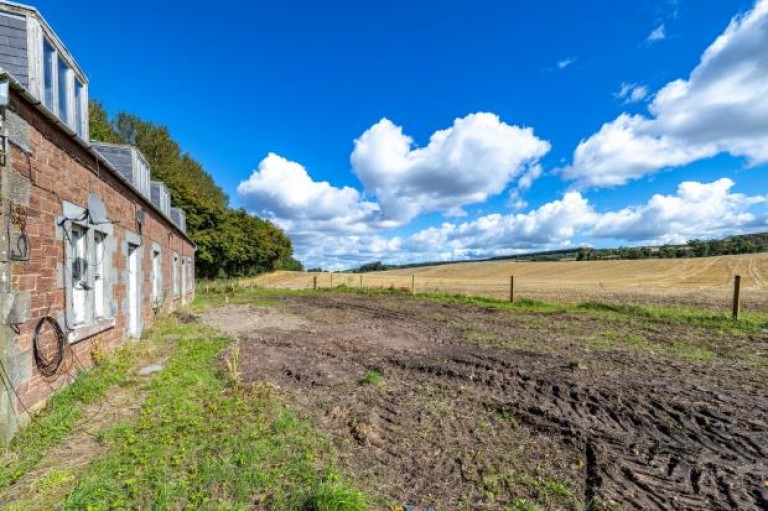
[
  {"x": 702, "y": 282},
  {"x": 462, "y": 406}
]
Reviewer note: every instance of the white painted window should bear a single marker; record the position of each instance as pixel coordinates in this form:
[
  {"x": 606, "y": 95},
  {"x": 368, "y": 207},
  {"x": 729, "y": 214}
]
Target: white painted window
[
  {"x": 87, "y": 276},
  {"x": 80, "y": 106},
  {"x": 99, "y": 277},
  {"x": 49, "y": 71},
  {"x": 157, "y": 273},
  {"x": 175, "y": 269},
  {"x": 79, "y": 268}
]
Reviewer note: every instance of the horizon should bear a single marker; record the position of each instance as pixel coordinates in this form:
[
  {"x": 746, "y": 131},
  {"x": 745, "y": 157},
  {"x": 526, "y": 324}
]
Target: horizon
[{"x": 406, "y": 133}]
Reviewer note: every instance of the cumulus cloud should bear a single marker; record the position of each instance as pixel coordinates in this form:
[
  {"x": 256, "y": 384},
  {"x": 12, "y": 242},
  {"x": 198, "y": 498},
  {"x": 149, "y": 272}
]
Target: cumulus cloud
[
  {"x": 479, "y": 156},
  {"x": 562, "y": 64},
  {"x": 694, "y": 210},
  {"x": 632, "y": 93},
  {"x": 282, "y": 190},
  {"x": 721, "y": 108},
  {"x": 657, "y": 34}
]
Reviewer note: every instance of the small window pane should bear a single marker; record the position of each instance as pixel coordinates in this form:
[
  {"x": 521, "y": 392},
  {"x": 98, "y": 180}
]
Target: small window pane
[
  {"x": 79, "y": 108},
  {"x": 49, "y": 62},
  {"x": 79, "y": 273},
  {"x": 64, "y": 92}
]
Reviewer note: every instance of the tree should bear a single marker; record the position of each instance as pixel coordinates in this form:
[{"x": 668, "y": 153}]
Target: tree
[
  {"x": 99, "y": 125},
  {"x": 230, "y": 242}
]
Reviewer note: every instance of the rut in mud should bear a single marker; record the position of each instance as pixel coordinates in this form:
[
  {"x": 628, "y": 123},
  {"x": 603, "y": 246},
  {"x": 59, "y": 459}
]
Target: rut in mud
[{"x": 459, "y": 423}]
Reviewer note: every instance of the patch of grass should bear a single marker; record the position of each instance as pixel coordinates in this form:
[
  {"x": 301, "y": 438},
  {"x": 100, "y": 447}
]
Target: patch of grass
[
  {"x": 54, "y": 479},
  {"x": 372, "y": 377},
  {"x": 251, "y": 296},
  {"x": 335, "y": 497},
  {"x": 203, "y": 443},
  {"x": 679, "y": 349},
  {"x": 64, "y": 408},
  {"x": 523, "y": 505}
]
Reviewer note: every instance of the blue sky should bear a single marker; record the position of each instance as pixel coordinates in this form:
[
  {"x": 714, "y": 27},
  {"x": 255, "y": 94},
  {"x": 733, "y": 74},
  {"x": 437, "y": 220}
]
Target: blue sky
[{"x": 272, "y": 96}]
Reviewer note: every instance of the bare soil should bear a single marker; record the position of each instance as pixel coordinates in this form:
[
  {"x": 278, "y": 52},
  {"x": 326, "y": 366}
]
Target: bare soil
[{"x": 478, "y": 408}]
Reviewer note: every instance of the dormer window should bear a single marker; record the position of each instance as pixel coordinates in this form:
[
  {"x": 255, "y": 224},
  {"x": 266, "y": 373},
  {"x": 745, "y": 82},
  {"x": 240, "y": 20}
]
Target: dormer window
[
  {"x": 63, "y": 92},
  {"x": 32, "y": 53}
]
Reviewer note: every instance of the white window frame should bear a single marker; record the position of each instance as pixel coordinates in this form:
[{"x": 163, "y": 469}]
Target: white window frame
[
  {"x": 80, "y": 265},
  {"x": 88, "y": 293}
]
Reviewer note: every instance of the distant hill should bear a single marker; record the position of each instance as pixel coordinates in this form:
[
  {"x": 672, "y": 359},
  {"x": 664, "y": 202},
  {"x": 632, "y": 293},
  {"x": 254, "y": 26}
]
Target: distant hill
[{"x": 732, "y": 245}]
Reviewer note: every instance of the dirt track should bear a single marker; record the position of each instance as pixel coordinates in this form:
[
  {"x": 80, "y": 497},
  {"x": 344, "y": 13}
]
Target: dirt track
[{"x": 481, "y": 407}]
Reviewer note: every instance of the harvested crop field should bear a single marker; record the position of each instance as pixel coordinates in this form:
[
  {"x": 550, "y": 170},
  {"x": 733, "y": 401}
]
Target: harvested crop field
[
  {"x": 460, "y": 406},
  {"x": 701, "y": 282}
]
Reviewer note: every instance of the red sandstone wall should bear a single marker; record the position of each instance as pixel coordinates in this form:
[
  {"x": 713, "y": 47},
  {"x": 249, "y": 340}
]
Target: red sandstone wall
[{"x": 60, "y": 170}]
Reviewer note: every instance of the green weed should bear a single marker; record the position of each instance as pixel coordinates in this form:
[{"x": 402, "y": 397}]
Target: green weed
[{"x": 372, "y": 377}]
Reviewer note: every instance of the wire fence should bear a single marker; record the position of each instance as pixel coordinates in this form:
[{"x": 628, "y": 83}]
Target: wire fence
[{"x": 699, "y": 295}]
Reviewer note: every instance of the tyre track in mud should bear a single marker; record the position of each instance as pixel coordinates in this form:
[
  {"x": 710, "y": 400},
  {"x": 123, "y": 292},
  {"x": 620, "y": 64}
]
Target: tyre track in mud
[
  {"x": 646, "y": 434},
  {"x": 651, "y": 448}
]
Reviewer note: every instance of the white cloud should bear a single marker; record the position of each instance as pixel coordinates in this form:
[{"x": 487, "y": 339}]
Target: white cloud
[
  {"x": 696, "y": 209},
  {"x": 562, "y": 64},
  {"x": 282, "y": 190},
  {"x": 476, "y": 158},
  {"x": 632, "y": 93},
  {"x": 721, "y": 108},
  {"x": 657, "y": 34}
]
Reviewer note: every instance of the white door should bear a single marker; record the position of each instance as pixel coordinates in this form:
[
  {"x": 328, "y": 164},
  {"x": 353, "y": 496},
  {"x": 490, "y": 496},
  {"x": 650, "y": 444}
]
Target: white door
[
  {"x": 134, "y": 306},
  {"x": 155, "y": 278},
  {"x": 183, "y": 280}
]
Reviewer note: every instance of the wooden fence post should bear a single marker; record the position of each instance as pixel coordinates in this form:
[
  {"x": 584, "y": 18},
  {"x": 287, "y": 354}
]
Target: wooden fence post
[
  {"x": 314, "y": 282},
  {"x": 361, "y": 281},
  {"x": 736, "y": 297},
  {"x": 331, "y": 279},
  {"x": 413, "y": 284},
  {"x": 512, "y": 289}
]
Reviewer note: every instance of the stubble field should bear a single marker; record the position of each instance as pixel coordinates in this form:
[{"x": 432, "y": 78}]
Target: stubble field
[{"x": 699, "y": 282}]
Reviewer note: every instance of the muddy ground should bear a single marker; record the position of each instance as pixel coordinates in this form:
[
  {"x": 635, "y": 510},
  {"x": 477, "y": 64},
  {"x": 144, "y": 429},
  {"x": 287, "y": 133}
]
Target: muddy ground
[{"x": 483, "y": 408}]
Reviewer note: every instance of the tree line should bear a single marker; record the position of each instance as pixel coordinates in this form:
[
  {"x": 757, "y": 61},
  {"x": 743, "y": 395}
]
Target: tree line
[
  {"x": 732, "y": 245},
  {"x": 230, "y": 242}
]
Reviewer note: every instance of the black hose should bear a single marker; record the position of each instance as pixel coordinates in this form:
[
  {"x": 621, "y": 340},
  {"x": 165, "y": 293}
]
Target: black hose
[{"x": 49, "y": 366}]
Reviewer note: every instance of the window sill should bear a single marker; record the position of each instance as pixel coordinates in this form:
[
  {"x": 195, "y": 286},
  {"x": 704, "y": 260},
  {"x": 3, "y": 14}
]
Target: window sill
[{"x": 83, "y": 332}]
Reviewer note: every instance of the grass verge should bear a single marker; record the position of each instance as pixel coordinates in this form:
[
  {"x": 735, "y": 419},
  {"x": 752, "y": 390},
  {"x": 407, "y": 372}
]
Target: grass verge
[
  {"x": 203, "y": 443},
  {"x": 64, "y": 409}
]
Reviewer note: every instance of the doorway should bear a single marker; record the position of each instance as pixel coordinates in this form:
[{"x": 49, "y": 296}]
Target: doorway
[{"x": 134, "y": 283}]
